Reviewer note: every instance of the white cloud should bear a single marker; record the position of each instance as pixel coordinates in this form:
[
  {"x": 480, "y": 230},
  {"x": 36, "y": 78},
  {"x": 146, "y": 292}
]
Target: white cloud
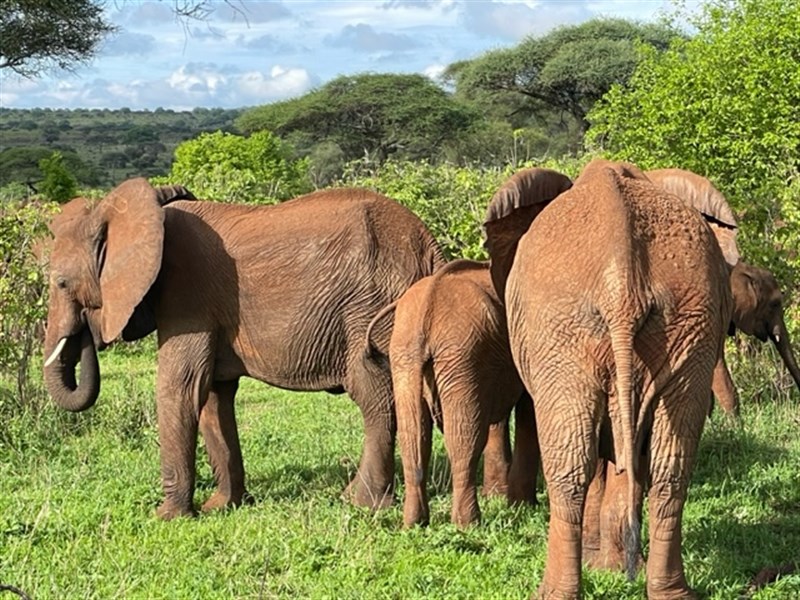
[
  {"x": 281, "y": 83},
  {"x": 513, "y": 21}
]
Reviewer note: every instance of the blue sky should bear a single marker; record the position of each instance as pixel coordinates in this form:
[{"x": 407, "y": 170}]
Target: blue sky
[{"x": 262, "y": 51}]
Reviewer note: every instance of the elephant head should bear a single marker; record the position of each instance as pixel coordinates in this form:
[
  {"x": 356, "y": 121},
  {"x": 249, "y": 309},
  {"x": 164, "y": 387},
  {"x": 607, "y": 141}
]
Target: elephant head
[
  {"x": 700, "y": 193},
  {"x": 104, "y": 260},
  {"x": 510, "y": 213},
  {"x": 758, "y": 311}
]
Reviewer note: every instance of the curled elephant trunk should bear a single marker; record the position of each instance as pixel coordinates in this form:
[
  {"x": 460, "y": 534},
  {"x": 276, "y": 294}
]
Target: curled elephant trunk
[
  {"x": 780, "y": 337},
  {"x": 62, "y": 358}
]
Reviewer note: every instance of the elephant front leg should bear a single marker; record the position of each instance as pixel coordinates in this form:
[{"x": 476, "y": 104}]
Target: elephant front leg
[
  {"x": 221, "y": 436},
  {"x": 496, "y": 460},
  {"x": 724, "y": 389},
  {"x": 177, "y": 436},
  {"x": 524, "y": 470},
  {"x": 613, "y": 519},
  {"x": 590, "y": 538}
]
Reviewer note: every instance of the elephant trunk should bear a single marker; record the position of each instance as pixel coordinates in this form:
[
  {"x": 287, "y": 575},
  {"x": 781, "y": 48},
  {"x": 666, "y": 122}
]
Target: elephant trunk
[
  {"x": 780, "y": 337},
  {"x": 59, "y": 371}
]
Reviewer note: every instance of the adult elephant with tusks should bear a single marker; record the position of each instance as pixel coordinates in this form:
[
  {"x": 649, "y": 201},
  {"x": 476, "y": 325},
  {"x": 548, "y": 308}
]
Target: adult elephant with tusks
[
  {"x": 617, "y": 302},
  {"x": 280, "y": 293}
]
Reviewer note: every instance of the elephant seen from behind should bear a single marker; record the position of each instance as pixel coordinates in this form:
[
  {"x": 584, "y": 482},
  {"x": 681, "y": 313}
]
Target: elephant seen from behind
[
  {"x": 617, "y": 302},
  {"x": 451, "y": 364},
  {"x": 280, "y": 293}
]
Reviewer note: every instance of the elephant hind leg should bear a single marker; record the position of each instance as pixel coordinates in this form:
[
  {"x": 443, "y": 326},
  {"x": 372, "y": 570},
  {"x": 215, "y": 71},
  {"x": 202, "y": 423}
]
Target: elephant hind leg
[
  {"x": 677, "y": 426},
  {"x": 465, "y": 434},
  {"x": 370, "y": 387},
  {"x": 566, "y": 414},
  {"x": 218, "y": 427},
  {"x": 414, "y": 431}
]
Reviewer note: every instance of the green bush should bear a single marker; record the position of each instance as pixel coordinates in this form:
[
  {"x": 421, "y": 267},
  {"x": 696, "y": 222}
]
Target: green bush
[
  {"x": 224, "y": 166},
  {"x": 23, "y": 291}
]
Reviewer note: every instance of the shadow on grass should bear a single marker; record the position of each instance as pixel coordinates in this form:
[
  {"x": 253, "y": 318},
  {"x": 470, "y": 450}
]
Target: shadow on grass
[
  {"x": 745, "y": 551},
  {"x": 727, "y": 452}
]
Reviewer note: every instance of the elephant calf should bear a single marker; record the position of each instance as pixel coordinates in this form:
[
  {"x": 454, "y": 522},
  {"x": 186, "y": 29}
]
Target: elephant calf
[{"x": 451, "y": 364}]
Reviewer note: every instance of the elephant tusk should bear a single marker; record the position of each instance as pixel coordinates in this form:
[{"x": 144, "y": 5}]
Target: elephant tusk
[
  {"x": 56, "y": 352},
  {"x": 776, "y": 334}
]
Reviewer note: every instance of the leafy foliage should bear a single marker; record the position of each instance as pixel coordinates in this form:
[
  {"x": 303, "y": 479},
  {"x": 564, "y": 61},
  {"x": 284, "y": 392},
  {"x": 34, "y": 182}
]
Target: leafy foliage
[
  {"x": 22, "y": 292},
  {"x": 230, "y": 167},
  {"x": 723, "y": 104},
  {"x": 564, "y": 71},
  {"x": 58, "y": 185},
  {"x": 36, "y": 35},
  {"x": 451, "y": 200},
  {"x": 377, "y": 115}
]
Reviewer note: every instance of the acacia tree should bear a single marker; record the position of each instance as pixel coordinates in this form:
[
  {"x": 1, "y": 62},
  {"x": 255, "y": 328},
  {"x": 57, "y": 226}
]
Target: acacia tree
[
  {"x": 36, "y": 35},
  {"x": 723, "y": 104},
  {"x": 566, "y": 70},
  {"x": 374, "y": 114}
]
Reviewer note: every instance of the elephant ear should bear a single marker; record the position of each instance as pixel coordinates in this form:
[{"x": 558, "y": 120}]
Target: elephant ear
[
  {"x": 699, "y": 193},
  {"x": 623, "y": 169},
  {"x": 131, "y": 226},
  {"x": 510, "y": 213},
  {"x": 166, "y": 194}
]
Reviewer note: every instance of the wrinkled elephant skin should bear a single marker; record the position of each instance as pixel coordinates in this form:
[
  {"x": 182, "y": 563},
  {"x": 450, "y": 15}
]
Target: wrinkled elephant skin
[
  {"x": 454, "y": 368},
  {"x": 617, "y": 305},
  {"x": 281, "y": 293}
]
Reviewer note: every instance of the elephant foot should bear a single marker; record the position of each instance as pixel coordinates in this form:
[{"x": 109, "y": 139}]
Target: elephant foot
[
  {"x": 220, "y": 500},
  {"x": 359, "y": 493},
  {"x": 683, "y": 593},
  {"x": 170, "y": 510},
  {"x": 547, "y": 593},
  {"x": 664, "y": 589}
]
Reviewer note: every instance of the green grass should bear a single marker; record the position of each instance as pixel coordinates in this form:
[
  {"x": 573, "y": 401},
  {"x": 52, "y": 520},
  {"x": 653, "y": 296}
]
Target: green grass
[{"x": 78, "y": 494}]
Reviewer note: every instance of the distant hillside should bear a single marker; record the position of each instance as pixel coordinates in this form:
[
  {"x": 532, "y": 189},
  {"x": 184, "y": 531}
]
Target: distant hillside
[{"x": 101, "y": 147}]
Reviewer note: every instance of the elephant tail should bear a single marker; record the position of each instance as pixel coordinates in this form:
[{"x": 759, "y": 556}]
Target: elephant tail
[
  {"x": 371, "y": 350},
  {"x": 622, "y": 348}
]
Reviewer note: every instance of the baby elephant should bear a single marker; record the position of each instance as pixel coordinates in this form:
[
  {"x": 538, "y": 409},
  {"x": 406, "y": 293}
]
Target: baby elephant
[{"x": 451, "y": 363}]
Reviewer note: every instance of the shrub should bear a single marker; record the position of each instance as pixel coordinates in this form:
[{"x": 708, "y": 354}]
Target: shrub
[
  {"x": 23, "y": 291},
  {"x": 224, "y": 166},
  {"x": 450, "y": 200}
]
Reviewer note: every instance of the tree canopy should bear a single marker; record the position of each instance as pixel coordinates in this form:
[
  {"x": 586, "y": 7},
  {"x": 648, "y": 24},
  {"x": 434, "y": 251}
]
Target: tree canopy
[
  {"x": 35, "y": 35},
  {"x": 566, "y": 70},
  {"x": 377, "y": 115},
  {"x": 723, "y": 104}
]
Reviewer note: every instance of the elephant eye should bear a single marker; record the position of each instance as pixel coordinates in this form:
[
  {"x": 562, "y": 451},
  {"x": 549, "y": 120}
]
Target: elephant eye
[{"x": 61, "y": 282}]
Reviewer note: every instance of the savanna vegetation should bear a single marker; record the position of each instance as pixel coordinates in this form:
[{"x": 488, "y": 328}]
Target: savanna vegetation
[{"x": 78, "y": 491}]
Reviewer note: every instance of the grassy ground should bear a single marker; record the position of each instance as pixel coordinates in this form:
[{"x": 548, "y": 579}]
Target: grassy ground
[{"x": 77, "y": 495}]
